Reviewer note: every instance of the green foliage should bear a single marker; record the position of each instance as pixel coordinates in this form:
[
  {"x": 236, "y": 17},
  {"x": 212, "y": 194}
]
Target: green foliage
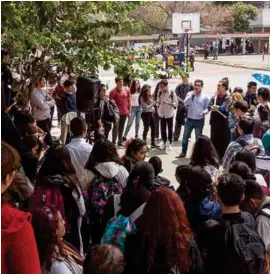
[
  {"x": 73, "y": 33},
  {"x": 242, "y": 14}
]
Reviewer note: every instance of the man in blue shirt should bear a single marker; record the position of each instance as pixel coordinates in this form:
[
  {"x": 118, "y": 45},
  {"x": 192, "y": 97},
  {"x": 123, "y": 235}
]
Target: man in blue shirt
[
  {"x": 197, "y": 104},
  {"x": 69, "y": 97}
]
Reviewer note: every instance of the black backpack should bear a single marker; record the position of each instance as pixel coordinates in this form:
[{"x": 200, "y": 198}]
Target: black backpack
[
  {"x": 111, "y": 112},
  {"x": 244, "y": 249}
]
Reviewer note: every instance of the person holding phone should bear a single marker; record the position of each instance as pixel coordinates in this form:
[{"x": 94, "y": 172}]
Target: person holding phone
[{"x": 197, "y": 104}]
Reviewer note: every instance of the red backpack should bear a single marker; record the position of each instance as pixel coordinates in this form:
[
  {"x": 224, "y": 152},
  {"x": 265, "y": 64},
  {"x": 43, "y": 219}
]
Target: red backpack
[{"x": 46, "y": 196}]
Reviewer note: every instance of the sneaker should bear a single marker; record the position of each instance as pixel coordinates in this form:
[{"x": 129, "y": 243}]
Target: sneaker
[
  {"x": 162, "y": 146},
  {"x": 153, "y": 145},
  {"x": 182, "y": 155},
  {"x": 170, "y": 147}
]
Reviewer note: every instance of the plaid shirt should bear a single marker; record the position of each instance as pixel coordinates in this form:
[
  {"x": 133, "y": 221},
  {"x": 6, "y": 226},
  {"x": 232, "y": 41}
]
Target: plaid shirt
[{"x": 234, "y": 147}]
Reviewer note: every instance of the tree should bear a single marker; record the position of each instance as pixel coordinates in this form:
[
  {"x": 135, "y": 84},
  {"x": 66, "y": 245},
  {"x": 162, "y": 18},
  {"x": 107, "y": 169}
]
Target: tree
[
  {"x": 69, "y": 33},
  {"x": 242, "y": 14},
  {"x": 158, "y": 15},
  {"x": 216, "y": 16}
]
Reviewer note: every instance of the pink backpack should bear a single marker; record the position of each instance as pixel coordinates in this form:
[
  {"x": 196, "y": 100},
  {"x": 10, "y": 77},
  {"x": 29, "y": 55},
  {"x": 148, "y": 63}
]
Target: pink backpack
[{"x": 46, "y": 196}]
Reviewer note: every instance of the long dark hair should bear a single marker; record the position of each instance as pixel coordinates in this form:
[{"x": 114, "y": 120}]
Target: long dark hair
[
  {"x": 155, "y": 95},
  {"x": 138, "y": 189},
  {"x": 144, "y": 94},
  {"x": 58, "y": 162},
  {"x": 164, "y": 224},
  {"x": 133, "y": 89},
  {"x": 204, "y": 153},
  {"x": 134, "y": 146},
  {"x": 45, "y": 222},
  {"x": 103, "y": 151}
]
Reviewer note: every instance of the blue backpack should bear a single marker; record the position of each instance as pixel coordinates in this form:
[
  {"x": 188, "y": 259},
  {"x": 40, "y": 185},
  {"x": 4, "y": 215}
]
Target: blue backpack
[{"x": 119, "y": 226}]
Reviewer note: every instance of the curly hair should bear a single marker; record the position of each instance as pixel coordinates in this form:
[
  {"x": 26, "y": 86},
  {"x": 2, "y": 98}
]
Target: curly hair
[
  {"x": 164, "y": 224},
  {"x": 204, "y": 153}
]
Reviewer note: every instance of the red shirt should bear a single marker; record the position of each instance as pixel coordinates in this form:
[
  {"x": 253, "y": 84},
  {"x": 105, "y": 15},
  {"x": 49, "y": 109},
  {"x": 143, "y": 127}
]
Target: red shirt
[
  {"x": 121, "y": 98},
  {"x": 18, "y": 248}
]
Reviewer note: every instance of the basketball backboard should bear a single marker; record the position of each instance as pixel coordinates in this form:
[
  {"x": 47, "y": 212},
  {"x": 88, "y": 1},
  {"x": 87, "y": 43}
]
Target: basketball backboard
[{"x": 181, "y": 22}]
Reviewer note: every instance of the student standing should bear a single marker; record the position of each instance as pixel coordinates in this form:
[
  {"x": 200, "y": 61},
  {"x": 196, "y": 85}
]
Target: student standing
[
  {"x": 41, "y": 106},
  {"x": 197, "y": 104},
  {"x": 135, "y": 109},
  {"x": 181, "y": 92},
  {"x": 147, "y": 104},
  {"x": 167, "y": 102},
  {"x": 121, "y": 96},
  {"x": 232, "y": 244},
  {"x": 220, "y": 133},
  {"x": 250, "y": 95},
  {"x": 69, "y": 97}
]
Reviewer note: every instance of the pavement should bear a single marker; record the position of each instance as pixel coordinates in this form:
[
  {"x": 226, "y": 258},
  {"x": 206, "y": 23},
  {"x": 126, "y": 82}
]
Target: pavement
[
  {"x": 252, "y": 62},
  {"x": 210, "y": 74}
]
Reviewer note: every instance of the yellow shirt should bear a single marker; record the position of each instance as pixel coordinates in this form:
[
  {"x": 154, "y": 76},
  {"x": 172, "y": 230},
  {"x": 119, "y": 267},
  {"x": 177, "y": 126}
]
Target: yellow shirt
[{"x": 170, "y": 60}]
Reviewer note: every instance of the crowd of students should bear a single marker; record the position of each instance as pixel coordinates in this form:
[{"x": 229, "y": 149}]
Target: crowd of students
[{"x": 78, "y": 208}]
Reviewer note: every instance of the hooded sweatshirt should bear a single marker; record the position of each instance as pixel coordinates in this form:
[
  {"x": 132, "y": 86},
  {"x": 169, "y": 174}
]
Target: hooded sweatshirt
[
  {"x": 108, "y": 170},
  {"x": 18, "y": 248},
  {"x": 199, "y": 212}
]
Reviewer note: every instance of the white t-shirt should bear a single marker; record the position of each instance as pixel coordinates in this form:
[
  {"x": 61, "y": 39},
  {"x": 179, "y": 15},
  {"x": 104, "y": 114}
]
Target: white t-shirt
[{"x": 135, "y": 99}]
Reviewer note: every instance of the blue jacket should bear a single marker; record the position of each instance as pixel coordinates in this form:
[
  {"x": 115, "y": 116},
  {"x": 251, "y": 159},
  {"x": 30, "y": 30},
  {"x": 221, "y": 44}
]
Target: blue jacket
[
  {"x": 69, "y": 102},
  {"x": 199, "y": 212}
]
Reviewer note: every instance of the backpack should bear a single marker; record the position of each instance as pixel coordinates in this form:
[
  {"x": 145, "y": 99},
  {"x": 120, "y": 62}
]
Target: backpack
[
  {"x": 262, "y": 161},
  {"x": 101, "y": 189},
  {"x": 119, "y": 226},
  {"x": 244, "y": 248},
  {"x": 111, "y": 112},
  {"x": 46, "y": 196},
  {"x": 171, "y": 96}
]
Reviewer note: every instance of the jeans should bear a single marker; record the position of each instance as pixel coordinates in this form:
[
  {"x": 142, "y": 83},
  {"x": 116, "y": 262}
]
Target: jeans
[
  {"x": 189, "y": 126},
  {"x": 148, "y": 121},
  {"x": 118, "y": 129},
  {"x": 166, "y": 122},
  {"x": 135, "y": 113},
  {"x": 45, "y": 125}
]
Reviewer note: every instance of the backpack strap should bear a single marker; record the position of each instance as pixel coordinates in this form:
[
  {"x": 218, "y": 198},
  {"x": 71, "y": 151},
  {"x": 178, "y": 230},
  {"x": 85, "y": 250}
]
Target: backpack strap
[
  {"x": 242, "y": 142},
  {"x": 265, "y": 211},
  {"x": 116, "y": 203},
  {"x": 137, "y": 213}
]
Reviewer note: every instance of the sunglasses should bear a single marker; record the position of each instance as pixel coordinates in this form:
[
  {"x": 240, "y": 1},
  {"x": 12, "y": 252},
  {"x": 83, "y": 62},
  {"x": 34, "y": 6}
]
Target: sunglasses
[{"x": 219, "y": 86}]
